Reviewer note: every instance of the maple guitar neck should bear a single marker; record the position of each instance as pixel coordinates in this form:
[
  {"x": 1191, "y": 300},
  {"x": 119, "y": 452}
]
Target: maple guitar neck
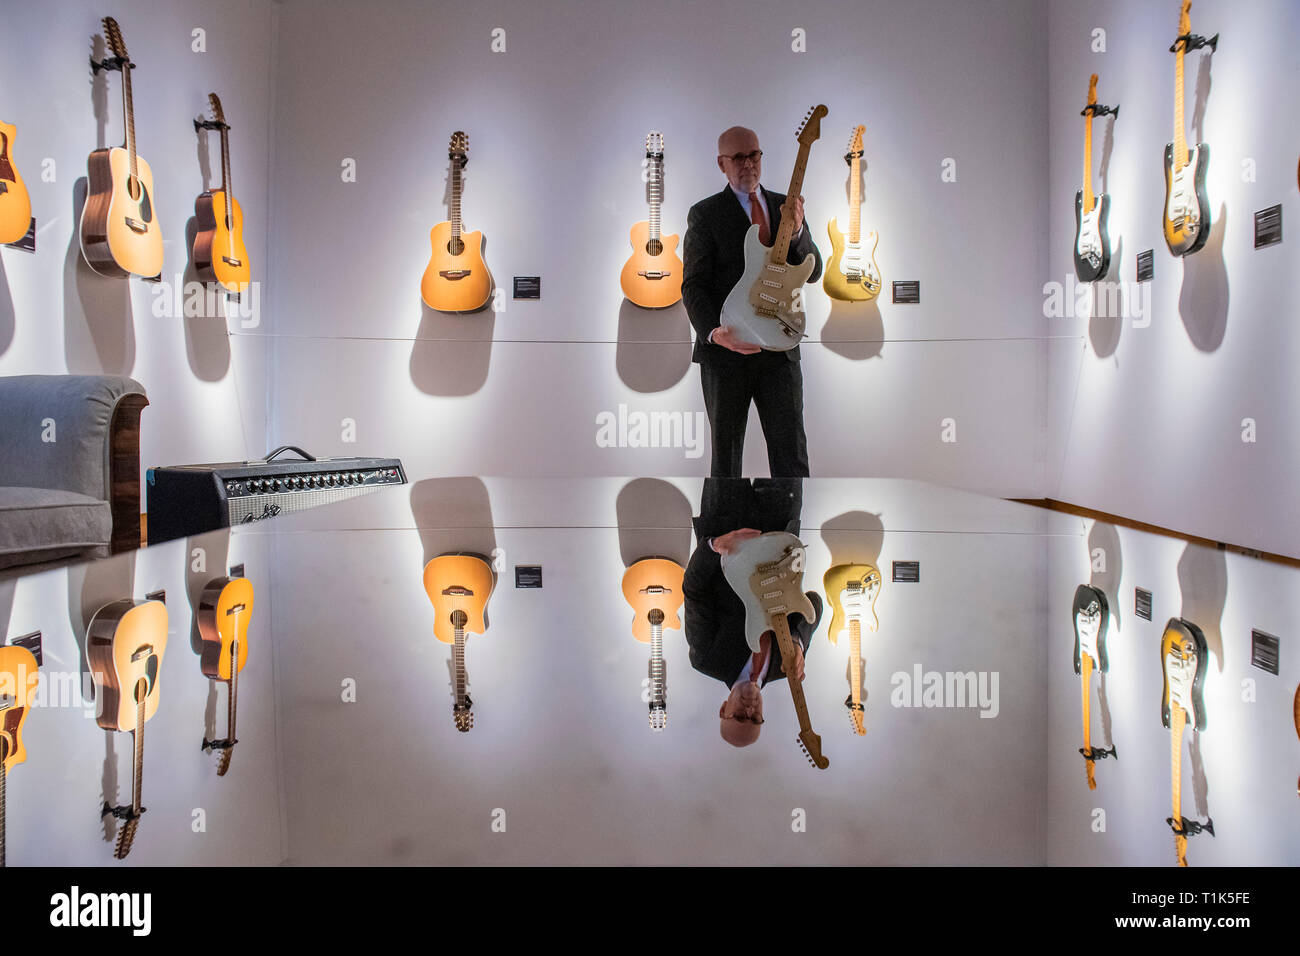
[
  {"x": 1085, "y": 666},
  {"x": 781, "y": 247},
  {"x": 781, "y": 627},
  {"x": 1088, "y": 198},
  {"x": 855, "y": 669},
  {"x": 1177, "y": 719},
  {"x": 855, "y": 199},
  {"x": 1180, "y": 138}
]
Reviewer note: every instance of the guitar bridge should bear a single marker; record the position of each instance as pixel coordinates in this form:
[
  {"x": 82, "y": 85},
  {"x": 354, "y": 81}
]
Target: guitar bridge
[
  {"x": 654, "y": 275},
  {"x": 231, "y": 262},
  {"x": 454, "y": 274},
  {"x": 135, "y": 225}
]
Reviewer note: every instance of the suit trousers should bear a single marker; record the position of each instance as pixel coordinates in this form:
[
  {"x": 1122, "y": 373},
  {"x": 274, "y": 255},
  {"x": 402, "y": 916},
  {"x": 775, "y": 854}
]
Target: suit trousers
[{"x": 775, "y": 385}]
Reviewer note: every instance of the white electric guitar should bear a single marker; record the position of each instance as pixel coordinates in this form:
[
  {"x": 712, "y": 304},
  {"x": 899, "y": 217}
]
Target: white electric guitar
[{"x": 765, "y": 308}]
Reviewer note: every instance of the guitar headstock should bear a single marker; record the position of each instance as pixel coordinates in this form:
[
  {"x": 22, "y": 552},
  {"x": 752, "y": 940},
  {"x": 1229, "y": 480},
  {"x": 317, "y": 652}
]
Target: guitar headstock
[
  {"x": 458, "y": 148},
  {"x": 856, "y": 712},
  {"x": 1092, "y": 90},
  {"x": 654, "y": 145},
  {"x": 855, "y": 145},
  {"x": 113, "y": 34},
  {"x": 1185, "y": 18},
  {"x": 658, "y": 716},
  {"x": 463, "y": 716},
  {"x": 810, "y": 130},
  {"x": 218, "y": 114},
  {"x": 811, "y": 745}
]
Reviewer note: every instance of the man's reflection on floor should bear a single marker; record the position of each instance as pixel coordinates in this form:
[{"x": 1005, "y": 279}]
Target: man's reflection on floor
[{"x": 731, "y": 511}]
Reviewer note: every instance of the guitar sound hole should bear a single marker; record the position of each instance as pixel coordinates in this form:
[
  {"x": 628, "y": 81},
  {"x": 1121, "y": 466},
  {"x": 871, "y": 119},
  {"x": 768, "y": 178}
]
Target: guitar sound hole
[
  {"x": 456, "y": 246},
  {"x": 654, "y": 247},
  {"x": 133, "y": 188}
]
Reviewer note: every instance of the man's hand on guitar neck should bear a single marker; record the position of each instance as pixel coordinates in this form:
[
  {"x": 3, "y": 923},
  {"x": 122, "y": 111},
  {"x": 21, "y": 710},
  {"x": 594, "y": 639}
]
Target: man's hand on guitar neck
[{"x": 798, "y": 662}]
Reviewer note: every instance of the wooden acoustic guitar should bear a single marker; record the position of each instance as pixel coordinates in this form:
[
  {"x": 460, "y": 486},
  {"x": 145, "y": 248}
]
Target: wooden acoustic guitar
[
  {"x": 219, "y": 252},
  {"x": 852, "y": 274},
  {"x": 1091, "y": 238},
  {"x": 15, "y": 204},
  {"x": 1183, "y": 660},
  {"x": 766, "y": 306},
  {"x": 120, "y": 234},
  {"x": 652, "y": 277},
  {"x": 459, "y": 586},
  {"x": 225, "y": 607},
  {"x": 457, "y": 278},
  {"x": 852, "y": 590},
  {"x": 1187, "y": 210},
  {"x": 125, "y": 644},
  {"x": 766, "y": 573},
  {"x": 653, "y": 587},
  {"x": 18, "y": 676},
  {"x": 1091, "y": 620}
]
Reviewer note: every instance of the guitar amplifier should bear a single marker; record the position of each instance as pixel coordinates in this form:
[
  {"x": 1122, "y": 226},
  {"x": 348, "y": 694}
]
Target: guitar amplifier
[{"x": 183, "y": 500}]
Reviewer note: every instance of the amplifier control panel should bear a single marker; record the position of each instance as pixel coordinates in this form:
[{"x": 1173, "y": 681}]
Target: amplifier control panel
[{"x": 312, "y": 481}]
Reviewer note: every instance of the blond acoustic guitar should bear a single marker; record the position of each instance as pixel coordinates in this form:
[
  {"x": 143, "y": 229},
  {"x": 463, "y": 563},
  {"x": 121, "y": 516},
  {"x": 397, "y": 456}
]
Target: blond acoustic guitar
[
  {"x": 225, "y": 607},
  {"x": 852, "y": 274},
  {"x": 652, "y": 277},
  {"x": 124, "y": 647},
  {"x": 456, "y": 279},
  {"x": 219, "y": 252},
  {"x": 653, "y": 587},
  {"x": 15, "y": 204},
  {"x": 18, "y": 677},
  {"x": 119, "y": 225},
  {"x": 459, "y": 586}
]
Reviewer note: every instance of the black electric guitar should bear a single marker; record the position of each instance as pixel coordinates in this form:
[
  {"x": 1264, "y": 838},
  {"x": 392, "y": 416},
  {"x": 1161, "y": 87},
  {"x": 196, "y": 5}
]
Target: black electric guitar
[
  {"x": 1183, "y": 660},
  {"x": 1091, "y": 240},
  {"x": 1091, "y": 617}
]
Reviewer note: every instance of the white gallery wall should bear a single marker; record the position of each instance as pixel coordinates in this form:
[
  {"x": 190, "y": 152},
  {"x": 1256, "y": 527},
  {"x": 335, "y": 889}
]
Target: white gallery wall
[{"x": 1147, "y": 421}]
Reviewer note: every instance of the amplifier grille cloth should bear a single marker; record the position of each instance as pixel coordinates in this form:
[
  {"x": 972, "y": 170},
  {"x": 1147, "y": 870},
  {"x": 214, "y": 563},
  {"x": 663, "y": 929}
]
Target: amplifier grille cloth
[{"x": 255, "y": 505}]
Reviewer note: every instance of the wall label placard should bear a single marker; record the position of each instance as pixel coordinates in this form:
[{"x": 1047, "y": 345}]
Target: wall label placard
[
  {"x": 28, "y": 242},
  {"x": 1142, "y": 604},
  {"x": 1146, "y": 265},
  {"x": 528, "y": 575},
  {"x": 907, "y": 572},
  {"x": 32, "y": 642},
  {"x": 237, "y": 570},
  {"x": 1264, "y": 650},
  {"x": 528, "y": 287},
  {"x": 907, "y": 292},
  {"x": 1268, "y": 226}
]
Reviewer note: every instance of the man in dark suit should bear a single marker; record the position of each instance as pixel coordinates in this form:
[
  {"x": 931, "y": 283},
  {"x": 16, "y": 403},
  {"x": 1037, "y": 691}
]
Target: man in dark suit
[
  {"x": 731, "y": 512},
  {"x": 734, "y": 373}
]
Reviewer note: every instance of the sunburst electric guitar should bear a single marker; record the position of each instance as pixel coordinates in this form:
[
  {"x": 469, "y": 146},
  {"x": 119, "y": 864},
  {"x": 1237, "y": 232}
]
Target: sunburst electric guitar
[
  {"x": 457, "y": 278},
  {"x": 766, "y": 573},
  {"x": 1183, "y": 659},
  {"x": 225, "y": 607},
  {"x": 852, "y": 590},
  {"x": 125, "y": 644},
  {"x": 852, "y": 274},
  {"x": 766, "y": 306},
  {"x": 15, "y": 204},
  {"x": 653, "y": 586},
  {"x": 1187, "y": 210},
  {"x": 459, "y": 586},
  {"x": 119, "y": 224},
  {"x": 1091, "y": 618},
  {"x": 18, "y": 675},
  {"x": 1091, "y": 239},
  {"x": 219, "y": 252},
  {"x": 652, "y": 277}
]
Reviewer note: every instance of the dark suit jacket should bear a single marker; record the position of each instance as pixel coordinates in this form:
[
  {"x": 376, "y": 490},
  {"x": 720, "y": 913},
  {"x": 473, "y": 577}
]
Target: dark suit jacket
[{"x": 715, "y": 261}]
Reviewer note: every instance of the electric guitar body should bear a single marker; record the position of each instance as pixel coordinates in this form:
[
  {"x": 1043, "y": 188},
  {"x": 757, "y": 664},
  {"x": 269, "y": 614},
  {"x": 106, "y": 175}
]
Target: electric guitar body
[
  {"x": 652, "y": 277},
  {"x": 1187, "y": 208},
  {"x": 219, "y": 252},
  {"x": 1091, "y": 619},
  {"x": 459, "y": 586},
  {"x": 1091, "y": 239},
  {"x": 852, "y": 590},
  {"x": 456, "y": 279},
  {"x": 1184, "y": 658},
  {"x": 15, "y": 203}
]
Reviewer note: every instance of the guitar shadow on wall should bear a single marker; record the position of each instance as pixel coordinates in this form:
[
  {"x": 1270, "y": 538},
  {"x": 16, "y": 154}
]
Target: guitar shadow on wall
[
  {"x": 207, "y": 343},
  {"x": 453, "y": 515},
  {"x": 1203, "y": 301},
  {"x": 654, "y": 520},
  {"x": 1106, "y": 323},
  {"x": 854, "y": 537},
  {"x": 7, "y": 590},
  {"x": 855, "y": 330},
  {"x": 654, "y": 346},
  {"x": 7, "y": 318},
  {"x": 452, "y": 351},
  {"x": 98, "y": 326},
  {"x": 215, "y": 546}
]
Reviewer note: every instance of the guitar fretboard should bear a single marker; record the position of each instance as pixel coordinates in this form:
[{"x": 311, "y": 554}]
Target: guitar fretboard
[
  {"x": 456, "y": 186},
  {"x": 855, "y": 198},
  {"x": 1089, "y": 764},
  {"x": 657, "y": 682},
  {"x": 4, "y": 774},
  {"x": 1177, "y": 719},
  {"x": 781, "y": 248},
  {"x": 458, "y": 660},
  {"x": 654, "y": 194},
  {"x": 226, "y": 189},
  {"x": 1180, "y": 139},
  {"x": 127, "y": 835},
  {"x": 1088, "y": 197},
  {"x": 129, "y": 113}
]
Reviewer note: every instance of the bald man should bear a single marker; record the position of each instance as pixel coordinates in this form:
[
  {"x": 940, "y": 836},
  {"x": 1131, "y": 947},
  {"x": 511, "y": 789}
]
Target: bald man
[{"x": 733, "y": 373}]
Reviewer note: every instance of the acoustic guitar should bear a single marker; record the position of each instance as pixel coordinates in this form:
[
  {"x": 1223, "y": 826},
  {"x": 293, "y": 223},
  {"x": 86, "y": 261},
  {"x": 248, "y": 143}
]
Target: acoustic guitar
[
  {"x": 459, "y": 586},
  {"x": 1183, "y": 660},
  {"x": 1187, "y": 210},
  {"x": 1091, "y": 619},
  {"x": 852, "y": 590},
  {"x": 852, "y": 274},
  {"x": 15, "y": 204},
  {"x": 124, "y": 646},
  {"x": 653, "y": 587},
  {"x": 18, "y": 676},
  {"x": 762, "y": 306},
  {"x": 219, "y": 252},
  {"x": 120, "y": 234},
  {"x": 1295, "y": 707},
  {"x": 766, "y": 573},
  {"x": 652, "y": 277},
  {"x": 457, "y": 278},
  {"x": 225, "y": 607},
  {"x": 1091, "y": 239}
]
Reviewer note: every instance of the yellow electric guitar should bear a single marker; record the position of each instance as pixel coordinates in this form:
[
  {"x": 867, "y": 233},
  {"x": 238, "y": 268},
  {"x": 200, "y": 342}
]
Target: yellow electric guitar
[
  {"x": 852, "y": 590},
  {"x": 18, "y": 676},
  {"x": 1183, "y": 660},
  {"x": 119, "y": 224},
  {"x": 225, "y": 607},
  {"x": 653, "y": 586},
  {"x": 457, "y": 278},
  {"x": 652, "y": 277},
  {"x": 459, "y": 586},
  {"x": 852, "y": 274},
  {"x": 124, "y": 646},
  {"x": 1187, "y": 210},
  {"x": 15, "y": 204},
  {"x": 219, "y": 252}
]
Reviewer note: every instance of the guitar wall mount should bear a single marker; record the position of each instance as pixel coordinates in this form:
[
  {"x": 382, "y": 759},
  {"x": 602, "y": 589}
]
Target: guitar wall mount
[
  {"x": 1193, "y": 41},
  {"x": 110, "y": 63},
  {"x": 1096, "y": 109},
  {"x": 1190, "y": 827},
  {"x": 1097, "y": 753},
  {"x": 201, "y": 123},
  {"x": 122, "y": 813}
]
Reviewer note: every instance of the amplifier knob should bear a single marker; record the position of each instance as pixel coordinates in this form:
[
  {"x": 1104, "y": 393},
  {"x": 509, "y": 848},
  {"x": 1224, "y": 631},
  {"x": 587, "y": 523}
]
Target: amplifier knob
[{"x": 329, "y": 480}]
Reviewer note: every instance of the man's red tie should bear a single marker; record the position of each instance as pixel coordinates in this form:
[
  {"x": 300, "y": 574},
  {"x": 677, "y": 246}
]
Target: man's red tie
[
  {"x": 757, "y": 671},
  {"x": 757, "y": 218}
]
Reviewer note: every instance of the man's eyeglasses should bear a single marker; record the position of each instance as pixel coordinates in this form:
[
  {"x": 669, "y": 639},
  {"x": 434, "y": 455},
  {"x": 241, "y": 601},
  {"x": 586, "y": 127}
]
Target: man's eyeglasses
[{"x": 741, "y": 158}]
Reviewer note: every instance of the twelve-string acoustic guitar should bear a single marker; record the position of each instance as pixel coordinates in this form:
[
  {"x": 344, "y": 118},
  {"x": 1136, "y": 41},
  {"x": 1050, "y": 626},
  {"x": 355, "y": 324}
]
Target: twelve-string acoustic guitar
[
  {"x": 852, "y": 590},
  {"x": 225, "y": 606},
  {"x": 219, "y": 252},
  {"x": 459, "y": 586},
  {"x": 457, "y": 278},
  {"x": 653, "y": 587}
]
